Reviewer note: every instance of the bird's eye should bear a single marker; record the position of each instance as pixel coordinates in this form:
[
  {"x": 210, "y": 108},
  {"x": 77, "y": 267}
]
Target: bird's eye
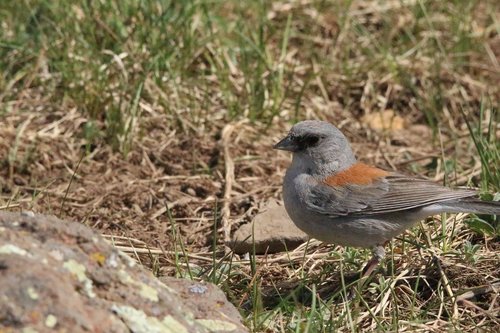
[
  {"x": 310, "y": 140},
  {"x": 306, "y": 141}
]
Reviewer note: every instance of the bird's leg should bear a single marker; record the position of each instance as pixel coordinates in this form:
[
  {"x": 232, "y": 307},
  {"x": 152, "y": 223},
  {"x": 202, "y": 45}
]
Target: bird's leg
[{"x": 378, "y": 254}]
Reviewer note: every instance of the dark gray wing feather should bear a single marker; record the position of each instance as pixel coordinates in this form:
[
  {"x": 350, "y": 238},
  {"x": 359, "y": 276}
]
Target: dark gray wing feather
[
  {"x": 344, "y": 200},
  {"x": 390, "y": 194}
]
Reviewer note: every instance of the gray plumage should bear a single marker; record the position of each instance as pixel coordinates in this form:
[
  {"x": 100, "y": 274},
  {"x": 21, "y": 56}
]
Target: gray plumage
[{"x": 364, "y": 214}]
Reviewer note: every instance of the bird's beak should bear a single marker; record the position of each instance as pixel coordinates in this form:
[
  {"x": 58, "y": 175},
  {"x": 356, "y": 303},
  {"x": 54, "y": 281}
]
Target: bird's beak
[{"x": 286, "y": 144}]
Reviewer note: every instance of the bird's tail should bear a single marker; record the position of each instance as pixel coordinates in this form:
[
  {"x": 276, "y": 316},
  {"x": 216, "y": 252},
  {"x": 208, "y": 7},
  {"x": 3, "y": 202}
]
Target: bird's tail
[{"x": 470, "y": 205}]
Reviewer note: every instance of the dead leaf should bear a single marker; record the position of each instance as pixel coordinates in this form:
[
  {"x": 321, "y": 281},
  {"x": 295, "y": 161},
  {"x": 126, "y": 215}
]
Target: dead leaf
[{"x": 386, "y": 120}]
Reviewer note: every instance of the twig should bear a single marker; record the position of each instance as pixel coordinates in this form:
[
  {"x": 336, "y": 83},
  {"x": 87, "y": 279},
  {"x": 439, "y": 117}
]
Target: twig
[
  {"x": 229, "y": 179},
  {"x": 446, "y": 285},
  {"x": 14, "y": 205},
  {"x": 478, "y": 291},
  {"x": 69, "y": 184}
]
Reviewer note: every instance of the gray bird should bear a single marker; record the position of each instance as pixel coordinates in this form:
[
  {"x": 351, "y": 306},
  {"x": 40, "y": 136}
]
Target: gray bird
[{"x": 334, "y": 198}]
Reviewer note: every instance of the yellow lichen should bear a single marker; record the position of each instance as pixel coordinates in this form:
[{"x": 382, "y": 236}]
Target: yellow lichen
[
  {"x": 144, "y": 290},
  {"x": 174, "y": 325},
  {"x": 217, "y": 325},
  {"x": 98, "y": 257},
  {"x": 32, "y": 293},
  {"x": 13, "y": 249},
  {"x": 139, "y": 322},
  {"x": 79, "y": 271},
  {"x": 51, "y": 321},
  {"x": 148, "y": 292}
]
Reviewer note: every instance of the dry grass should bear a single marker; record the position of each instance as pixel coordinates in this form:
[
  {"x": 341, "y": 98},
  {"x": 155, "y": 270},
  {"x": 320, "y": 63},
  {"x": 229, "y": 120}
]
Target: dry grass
[{"x": 155, "y": 125}]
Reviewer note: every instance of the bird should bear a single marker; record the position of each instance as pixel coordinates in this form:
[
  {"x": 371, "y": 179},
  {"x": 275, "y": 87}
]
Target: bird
[{"x": 333, "y": 197}]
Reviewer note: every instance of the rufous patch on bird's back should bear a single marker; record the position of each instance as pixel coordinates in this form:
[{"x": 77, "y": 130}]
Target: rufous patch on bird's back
[{"x": 358, "y": 174}]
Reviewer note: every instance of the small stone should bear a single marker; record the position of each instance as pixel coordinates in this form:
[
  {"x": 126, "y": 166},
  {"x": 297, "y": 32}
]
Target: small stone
[{"x": 271, "y": 231}]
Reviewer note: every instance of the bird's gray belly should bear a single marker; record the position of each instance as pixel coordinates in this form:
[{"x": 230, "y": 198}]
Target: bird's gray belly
[{"x": 348, "y": 231}]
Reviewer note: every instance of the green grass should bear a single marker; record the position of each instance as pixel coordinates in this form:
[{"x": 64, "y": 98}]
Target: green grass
[
  {"x": 201, "y": 64},
  {"x": 250, "y": 59}
]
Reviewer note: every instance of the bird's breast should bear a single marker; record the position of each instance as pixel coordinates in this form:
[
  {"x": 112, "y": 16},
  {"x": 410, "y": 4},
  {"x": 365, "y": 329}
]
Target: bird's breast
[{"x": 296, "y": 187}]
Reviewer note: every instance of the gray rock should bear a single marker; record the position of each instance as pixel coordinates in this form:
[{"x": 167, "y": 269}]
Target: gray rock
[
  {"x": 61, "y": 276},
  {"x": 272, "y": 230},
  {"x": 207, "y": 302}
]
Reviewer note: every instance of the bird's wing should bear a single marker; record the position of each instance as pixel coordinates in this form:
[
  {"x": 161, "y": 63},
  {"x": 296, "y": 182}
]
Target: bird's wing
[{"x": 364, "y": 190}]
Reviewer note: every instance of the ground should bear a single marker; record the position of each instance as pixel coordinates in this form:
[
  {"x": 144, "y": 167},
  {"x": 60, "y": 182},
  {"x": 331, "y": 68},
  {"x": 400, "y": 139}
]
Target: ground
[{"x": 154, "y": 125}]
